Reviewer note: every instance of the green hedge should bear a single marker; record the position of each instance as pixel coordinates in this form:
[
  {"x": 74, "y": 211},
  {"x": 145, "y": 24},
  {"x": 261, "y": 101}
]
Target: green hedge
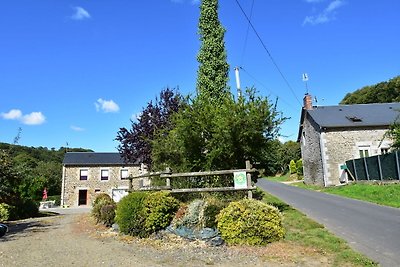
[
  {"x": 250, "y": 222},
  {"x": 130, "y": 214},
  {"x": 105, "y": 217},
  {"x": 141, "y": 214}
]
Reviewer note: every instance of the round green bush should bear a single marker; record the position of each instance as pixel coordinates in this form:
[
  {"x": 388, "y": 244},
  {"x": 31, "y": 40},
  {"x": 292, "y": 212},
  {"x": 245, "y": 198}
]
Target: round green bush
[
  {"x": 107, "y": 214},
  {"x": 4, "y": 212},
  {"x": 159, "y": 208},
  {"x": 250, "y": 222},
  {"x": 130, "y": 214},
  {"x": 101, "y": 200}
]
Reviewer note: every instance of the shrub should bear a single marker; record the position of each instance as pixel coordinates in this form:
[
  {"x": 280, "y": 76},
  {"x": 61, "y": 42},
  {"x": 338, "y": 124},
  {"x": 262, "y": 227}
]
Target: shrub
[
  {"x": 250, "y": 222},
  {"x": 159, "y": 208},
  {"x": 130, "y": 214},
  {"x": 4, "y": 212},
  {"x": 292, "y": 167},
  {"x": 211, "y": 210},
  {"x": 23, "y": 208},
  {"x": 107, "y": 214},
  {"x": 299, "y": 167},
  {"x": 100, "y": 201}
]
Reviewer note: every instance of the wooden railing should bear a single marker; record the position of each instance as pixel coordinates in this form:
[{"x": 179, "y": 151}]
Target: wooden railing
[{"x": 168, "y": 175}]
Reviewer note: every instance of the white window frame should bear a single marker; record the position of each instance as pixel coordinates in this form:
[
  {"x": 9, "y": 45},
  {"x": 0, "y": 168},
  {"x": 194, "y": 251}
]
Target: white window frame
[
  {"x": 80, "y": 174},
  {"x": 124, "y": 170},
  {"x": 101, "y": 175},
  {"x": 363, "y": 150}
]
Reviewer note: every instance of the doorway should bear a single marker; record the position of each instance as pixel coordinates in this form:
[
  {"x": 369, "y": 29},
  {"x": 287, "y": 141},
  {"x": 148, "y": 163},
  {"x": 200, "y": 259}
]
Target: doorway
[{"x": 82, "y": 200}]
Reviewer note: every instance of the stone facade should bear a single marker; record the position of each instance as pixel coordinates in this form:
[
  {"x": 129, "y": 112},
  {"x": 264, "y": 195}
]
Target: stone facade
[
  {"x": 311, "y": 153},
  {"x": 344, "y": 144},
  {"x": 74, "y": 190}
]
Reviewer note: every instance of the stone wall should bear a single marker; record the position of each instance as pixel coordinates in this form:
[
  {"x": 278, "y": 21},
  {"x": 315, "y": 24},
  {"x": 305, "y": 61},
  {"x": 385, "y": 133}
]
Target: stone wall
[
  {"x": 72, "y": 183},
  {"x": 343, "y": 144},
  {"x": 313, "y": 170}
]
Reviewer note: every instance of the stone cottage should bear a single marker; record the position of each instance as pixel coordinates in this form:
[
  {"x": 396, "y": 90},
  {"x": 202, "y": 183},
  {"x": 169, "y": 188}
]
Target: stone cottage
[
  {"x": 330, "y": 135},
  {"x": 86, "y": 174}
]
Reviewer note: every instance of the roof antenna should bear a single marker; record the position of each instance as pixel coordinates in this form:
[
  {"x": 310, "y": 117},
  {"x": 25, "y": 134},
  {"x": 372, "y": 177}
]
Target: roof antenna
[{"x": 305, "y": 79}]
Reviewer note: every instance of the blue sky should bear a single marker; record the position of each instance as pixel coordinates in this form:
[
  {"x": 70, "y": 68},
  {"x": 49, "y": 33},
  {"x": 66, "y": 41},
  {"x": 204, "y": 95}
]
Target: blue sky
[{"x": 77, "y": 71}]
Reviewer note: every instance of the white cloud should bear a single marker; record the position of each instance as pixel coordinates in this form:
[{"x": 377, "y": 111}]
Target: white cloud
[
  {"x": 106, "y": 105},
  {"x": 77, "y": 128},
  {"x": 80, "y": 13},
  {"x": 326, "y": 15},
  {"x": 13, "y": 114},
  {"x": 34, "y": 118}
]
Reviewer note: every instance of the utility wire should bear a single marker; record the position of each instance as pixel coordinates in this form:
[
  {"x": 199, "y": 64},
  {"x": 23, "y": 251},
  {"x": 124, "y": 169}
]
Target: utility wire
[
  {"x": 265, "y": 87},
  {"x": 269, "y": 54},
  {"x": 247, "y": 34}
]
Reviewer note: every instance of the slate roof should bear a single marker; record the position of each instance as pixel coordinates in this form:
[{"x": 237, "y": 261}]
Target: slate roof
[
  {"x": 357, "y": 115},
  {"x": 93, "y": 158}
]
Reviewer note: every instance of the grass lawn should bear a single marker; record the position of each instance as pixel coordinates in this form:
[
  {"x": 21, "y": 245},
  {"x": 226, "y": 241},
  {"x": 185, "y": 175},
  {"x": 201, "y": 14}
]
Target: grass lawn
[
  {"x": 304, "y": 232},
  {"x": 384, "y": 194}
]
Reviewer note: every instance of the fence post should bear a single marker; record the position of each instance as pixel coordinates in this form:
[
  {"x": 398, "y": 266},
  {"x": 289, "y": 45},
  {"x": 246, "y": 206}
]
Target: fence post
[
  {"x": 130, "y": 184},
  {"x": 366, "y": 168},
  {"x": 397, "y": 165},
  {"x": 380, "y": 167},
  {"x": 168, "y": 180},
  {"x": 248, "y": 176},
  {"x": 355, "y": 169}
]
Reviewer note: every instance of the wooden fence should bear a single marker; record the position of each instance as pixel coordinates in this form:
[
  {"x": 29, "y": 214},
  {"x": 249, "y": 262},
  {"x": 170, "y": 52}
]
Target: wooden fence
[{"x": 168, "y": 176}]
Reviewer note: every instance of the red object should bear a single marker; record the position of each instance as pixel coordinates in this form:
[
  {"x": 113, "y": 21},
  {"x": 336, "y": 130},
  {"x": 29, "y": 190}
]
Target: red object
[{"x": 45, "y": 194}]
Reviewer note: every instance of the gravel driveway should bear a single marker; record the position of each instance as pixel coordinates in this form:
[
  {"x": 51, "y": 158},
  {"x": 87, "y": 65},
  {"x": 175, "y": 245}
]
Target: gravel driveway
[{"x": 73, "y": 240}]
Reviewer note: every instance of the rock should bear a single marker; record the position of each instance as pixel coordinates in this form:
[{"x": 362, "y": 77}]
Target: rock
[
  {"x": 115, "y": 227},
  {"x": 3, "y": 229},
  {"x": 216, "y": 241},
  {"x": 208, "y": 233}
]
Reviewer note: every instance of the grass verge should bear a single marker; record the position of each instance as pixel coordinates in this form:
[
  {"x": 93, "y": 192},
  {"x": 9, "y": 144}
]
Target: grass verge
[
  {"x": 382, "y": 194},
  {"x": 302, "y": 231}
]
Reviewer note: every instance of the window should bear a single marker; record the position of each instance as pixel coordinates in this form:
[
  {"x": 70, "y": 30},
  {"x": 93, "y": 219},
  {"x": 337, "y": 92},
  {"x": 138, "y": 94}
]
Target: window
[
  {"x": 124, "y": 173},
  {"x": 364, "y": 151},
  {"x": 97, "y": 191},
  {"x": 104, "y": 175},
  {"x": 83, "y": 175},
  {"x": 384, "y": 150}
]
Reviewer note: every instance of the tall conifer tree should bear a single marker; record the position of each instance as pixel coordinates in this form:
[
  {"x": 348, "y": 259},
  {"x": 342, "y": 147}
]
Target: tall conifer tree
[{"x": 212, "y": 75}]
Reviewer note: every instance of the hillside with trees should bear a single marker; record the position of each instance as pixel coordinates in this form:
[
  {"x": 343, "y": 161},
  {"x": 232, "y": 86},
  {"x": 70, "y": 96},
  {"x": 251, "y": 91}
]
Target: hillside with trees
[
  {"x": 26, "y": 171},
  {"x": 383, "y": 92}
]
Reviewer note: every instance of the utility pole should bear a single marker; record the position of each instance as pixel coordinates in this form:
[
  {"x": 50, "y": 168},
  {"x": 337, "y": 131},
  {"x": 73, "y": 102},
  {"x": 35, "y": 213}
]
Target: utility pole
[{"x": 239, "y": 91}]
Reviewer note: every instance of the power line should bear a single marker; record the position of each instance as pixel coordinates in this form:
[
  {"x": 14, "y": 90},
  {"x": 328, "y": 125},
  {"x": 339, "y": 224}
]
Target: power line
[
  {"x": 247, "y": 34},
  {"x": 269, "y": 54},
  {"x": 265, "y": 87}
]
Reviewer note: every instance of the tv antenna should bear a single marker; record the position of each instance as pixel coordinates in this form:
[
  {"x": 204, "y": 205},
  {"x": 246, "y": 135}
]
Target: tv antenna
[{"x": 305, "y": 79}]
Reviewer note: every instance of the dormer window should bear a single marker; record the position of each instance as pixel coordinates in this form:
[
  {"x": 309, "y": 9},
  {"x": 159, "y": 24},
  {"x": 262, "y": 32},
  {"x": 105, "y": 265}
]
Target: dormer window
[{"x": 354, "y": 118}]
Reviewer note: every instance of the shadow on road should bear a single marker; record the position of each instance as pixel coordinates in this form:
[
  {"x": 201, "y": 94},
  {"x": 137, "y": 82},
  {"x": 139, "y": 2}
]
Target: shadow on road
[{"x": 18, "y": 229}]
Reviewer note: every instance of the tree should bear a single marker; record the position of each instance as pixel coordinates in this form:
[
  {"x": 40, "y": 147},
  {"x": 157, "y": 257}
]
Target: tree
[
  {"x": 136, "y": 143},
  {"x": 212, "y": 137},
  {"x": 288, "y": 151},
  {"x": 212, "y": 75},
  {"x": 383, "y": 92}
]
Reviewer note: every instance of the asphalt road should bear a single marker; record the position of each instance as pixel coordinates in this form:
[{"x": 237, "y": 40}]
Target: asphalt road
[{"x": 371, "y": 229}]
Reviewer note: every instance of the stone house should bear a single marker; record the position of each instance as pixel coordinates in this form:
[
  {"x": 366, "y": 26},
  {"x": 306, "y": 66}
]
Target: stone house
[
  {"x": 86, "y": 174},
  {"x": 331, "y": 135}
]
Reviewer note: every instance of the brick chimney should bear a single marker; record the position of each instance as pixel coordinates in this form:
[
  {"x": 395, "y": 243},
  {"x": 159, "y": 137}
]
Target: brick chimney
[{"x": 307, "y": 102}]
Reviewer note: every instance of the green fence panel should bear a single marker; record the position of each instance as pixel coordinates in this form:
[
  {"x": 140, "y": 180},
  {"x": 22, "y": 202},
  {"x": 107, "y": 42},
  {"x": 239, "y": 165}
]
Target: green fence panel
[
  {"x": 360, "y": 169},
  {"x": 389, "y": 168},
  {"x": 373, "y": 168}
]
